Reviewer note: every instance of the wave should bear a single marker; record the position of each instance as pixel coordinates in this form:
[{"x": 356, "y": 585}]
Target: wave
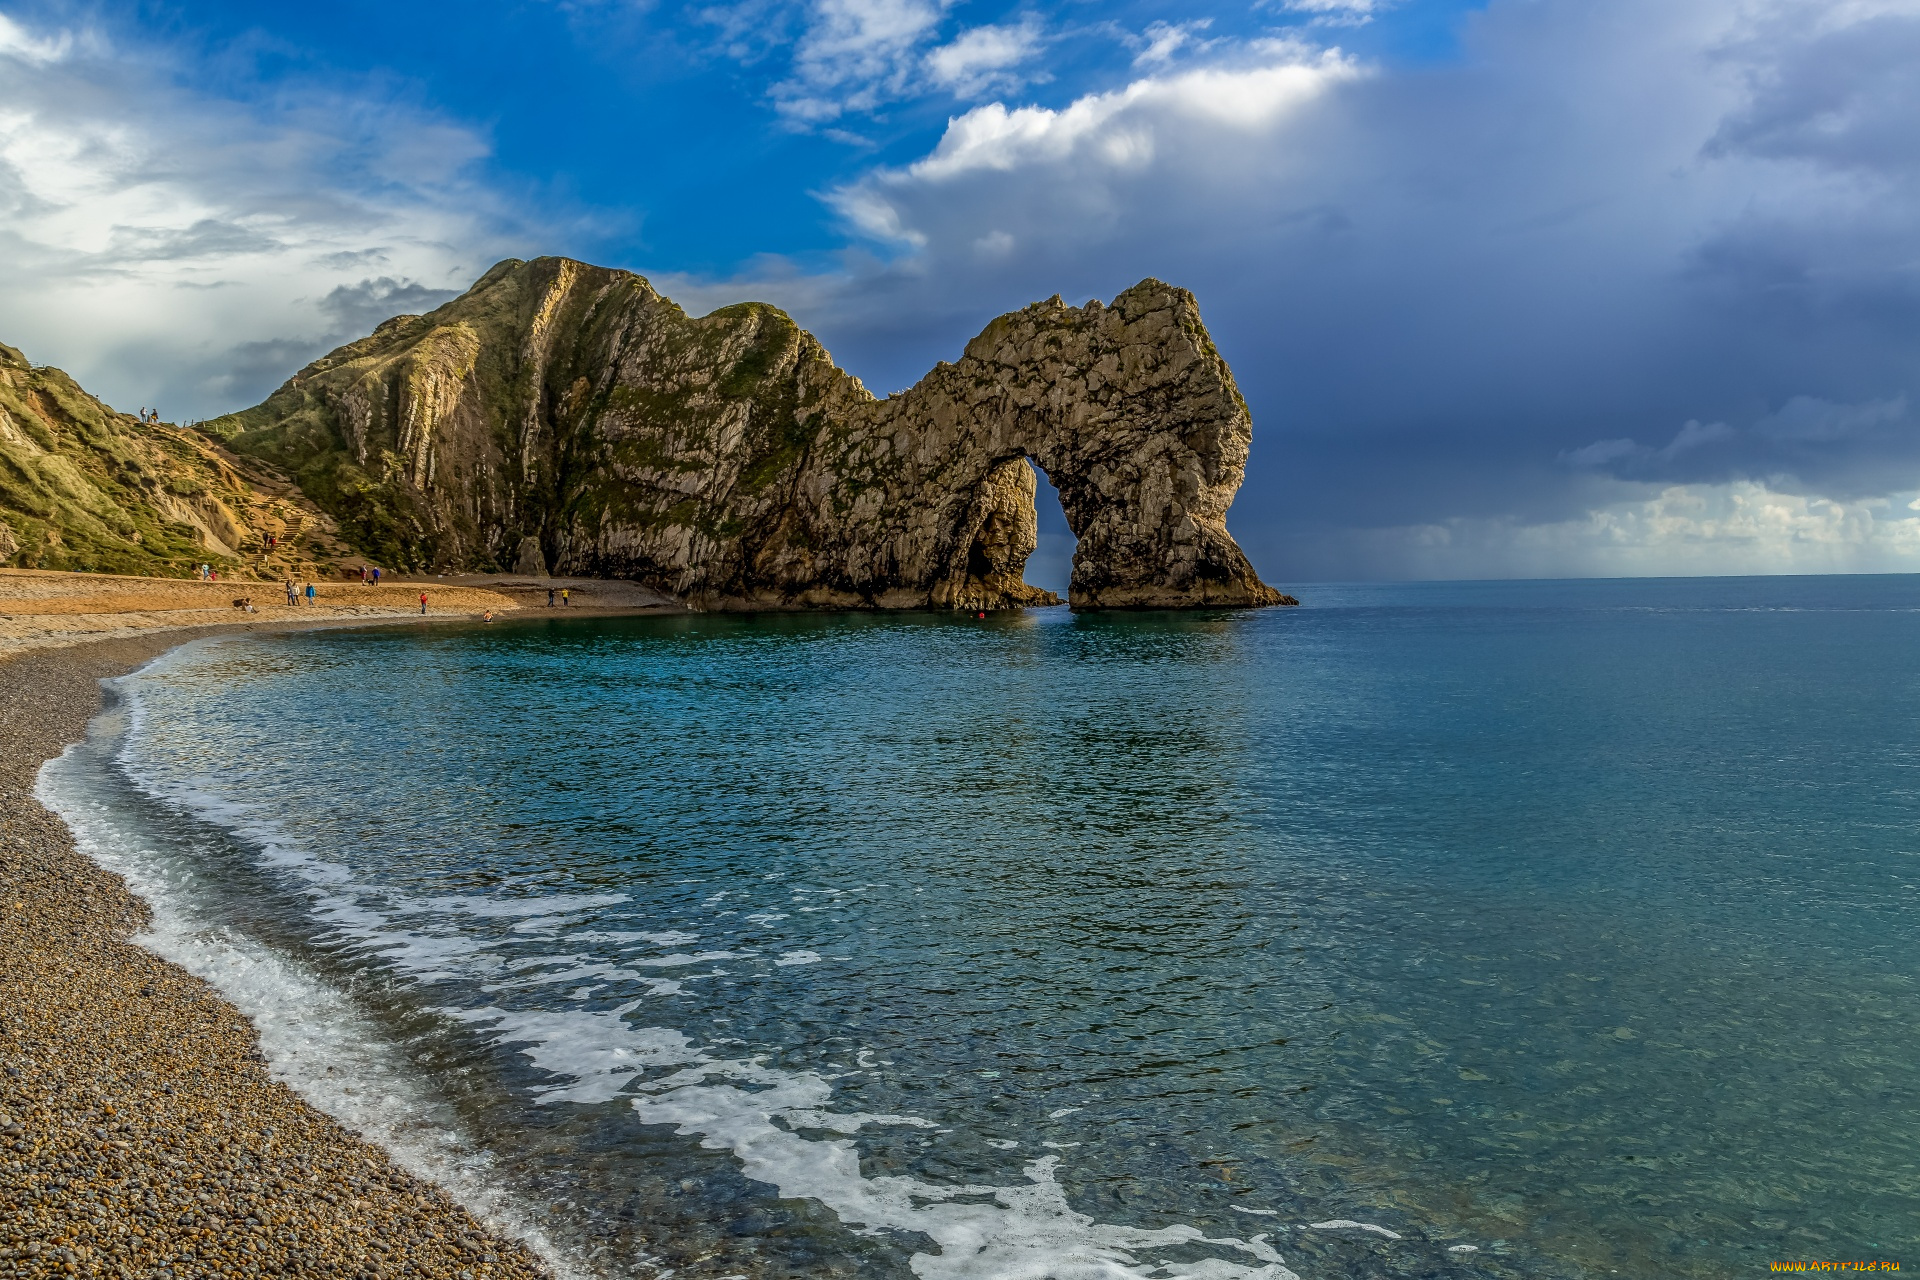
[
  {"x": 315, "y": 1039},
  {"x": 778, "y": 1124}
]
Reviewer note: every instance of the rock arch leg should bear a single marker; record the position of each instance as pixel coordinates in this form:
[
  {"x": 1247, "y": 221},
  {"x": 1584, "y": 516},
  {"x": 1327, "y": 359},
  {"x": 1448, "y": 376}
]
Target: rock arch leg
[
  {"x": 1153, "y": 535},
  {"x": 987, "y": 555}
]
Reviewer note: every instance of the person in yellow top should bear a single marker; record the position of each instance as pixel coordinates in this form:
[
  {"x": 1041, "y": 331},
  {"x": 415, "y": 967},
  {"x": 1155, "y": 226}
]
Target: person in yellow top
[{"x": 563, "y": 596}]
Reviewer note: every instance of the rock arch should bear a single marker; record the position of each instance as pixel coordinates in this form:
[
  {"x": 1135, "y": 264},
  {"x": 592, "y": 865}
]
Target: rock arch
[
  {"x": 1134, "y": 417},
  {"x": 581, "y": 420}
]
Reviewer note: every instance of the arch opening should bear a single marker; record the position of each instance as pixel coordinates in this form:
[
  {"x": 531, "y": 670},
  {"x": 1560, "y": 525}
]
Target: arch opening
[{"x": 1050, "y": 566}]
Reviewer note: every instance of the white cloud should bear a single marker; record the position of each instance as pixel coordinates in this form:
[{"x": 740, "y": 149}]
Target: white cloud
[
  {"x": 994, "y": 244},
  {"x": 146, "y": 229},
  {"x": 1684, "y": 222},
  {"x": 856, "y": 54},
  {"x": 1598, "y": 223},
  {"x": 1336, "y": 13},
  {"x": 1117, "y": 130},
  {"x": 1162, "y": 40},
  {"x": 18, "y": 44},
  {"x": 983, "y": 58},
  {"x": 1744, "y": 527},
  {"x": 856, "y": 57},
  {"x": 1334, "y": 6}
]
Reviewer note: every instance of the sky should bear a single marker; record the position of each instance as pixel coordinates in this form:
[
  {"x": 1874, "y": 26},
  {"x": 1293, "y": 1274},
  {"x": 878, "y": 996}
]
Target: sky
[{"x": 1514, "y": 288}]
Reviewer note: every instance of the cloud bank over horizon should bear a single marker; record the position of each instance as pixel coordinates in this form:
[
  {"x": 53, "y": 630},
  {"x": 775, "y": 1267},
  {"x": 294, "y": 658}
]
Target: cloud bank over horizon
[
  {"x": 190, "y": 250},
  {"x": 1596, "y": 289}
]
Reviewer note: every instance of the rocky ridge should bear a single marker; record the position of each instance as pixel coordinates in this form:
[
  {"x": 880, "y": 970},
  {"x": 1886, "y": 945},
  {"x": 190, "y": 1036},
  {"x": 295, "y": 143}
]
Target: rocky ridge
[
  {"x": 85, "y": 487},
  {"x": 564, "y": 417}
]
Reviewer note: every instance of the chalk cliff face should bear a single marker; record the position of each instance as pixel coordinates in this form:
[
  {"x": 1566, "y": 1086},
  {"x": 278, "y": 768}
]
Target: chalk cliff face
[{"x": 567, "y": 417}]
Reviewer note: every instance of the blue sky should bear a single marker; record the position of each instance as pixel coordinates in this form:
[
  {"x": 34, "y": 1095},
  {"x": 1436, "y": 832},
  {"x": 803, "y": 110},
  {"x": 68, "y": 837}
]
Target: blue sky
[
  {"x": 694, "y": 137},
  {"x": 1522, "y": 287}
]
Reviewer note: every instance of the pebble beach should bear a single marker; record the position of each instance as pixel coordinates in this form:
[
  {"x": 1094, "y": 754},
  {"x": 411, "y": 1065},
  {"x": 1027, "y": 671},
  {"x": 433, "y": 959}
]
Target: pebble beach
[{"x": 141, "y": 1133}]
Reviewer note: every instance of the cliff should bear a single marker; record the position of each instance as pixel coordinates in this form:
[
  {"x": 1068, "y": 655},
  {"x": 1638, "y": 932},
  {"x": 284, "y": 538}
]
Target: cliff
[
  {"x": 565, "y": 417},
  {"x": 84, "y": 487}
]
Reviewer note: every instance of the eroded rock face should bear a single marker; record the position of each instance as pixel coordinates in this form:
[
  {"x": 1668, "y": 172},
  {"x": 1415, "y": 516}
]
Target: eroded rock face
[{"x": 726, "y": 460}]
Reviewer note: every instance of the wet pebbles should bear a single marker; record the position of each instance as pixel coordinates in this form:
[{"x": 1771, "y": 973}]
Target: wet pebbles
[{"x": 140, "y": 1134}]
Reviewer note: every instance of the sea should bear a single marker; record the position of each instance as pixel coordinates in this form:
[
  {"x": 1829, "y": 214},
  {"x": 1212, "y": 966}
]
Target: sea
[{"x": 1499, "y": 929}]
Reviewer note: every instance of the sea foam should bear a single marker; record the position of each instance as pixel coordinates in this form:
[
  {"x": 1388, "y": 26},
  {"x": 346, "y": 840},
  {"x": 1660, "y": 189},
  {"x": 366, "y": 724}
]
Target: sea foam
[{"x": 329, "y": 1051}]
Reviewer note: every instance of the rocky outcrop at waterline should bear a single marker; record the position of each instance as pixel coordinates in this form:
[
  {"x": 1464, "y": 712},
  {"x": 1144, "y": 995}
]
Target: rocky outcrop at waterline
[{"x": 565, "y": 417}]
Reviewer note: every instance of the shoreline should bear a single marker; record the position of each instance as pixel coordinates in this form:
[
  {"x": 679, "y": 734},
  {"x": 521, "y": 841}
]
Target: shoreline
[
  {"x": 141, "y": 1131},
  {"x": 43, "y": 609}
]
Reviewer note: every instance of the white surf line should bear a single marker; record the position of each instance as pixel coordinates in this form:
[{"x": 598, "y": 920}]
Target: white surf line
[
  {"x": 1022, "y": 1230},
  {"x": 1337, "y": 1224},
  {"x": 314, "y": 1039}
]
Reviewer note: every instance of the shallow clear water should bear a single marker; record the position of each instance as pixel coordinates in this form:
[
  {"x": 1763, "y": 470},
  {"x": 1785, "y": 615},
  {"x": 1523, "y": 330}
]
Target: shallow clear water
[{"x": 1572, "y": 922}]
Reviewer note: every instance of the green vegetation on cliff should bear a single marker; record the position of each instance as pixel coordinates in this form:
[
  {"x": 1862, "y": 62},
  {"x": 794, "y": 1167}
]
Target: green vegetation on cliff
[
  {"x": 83, "y": 487},
  {"x": 566, "y": 416},
  {"x": 551, "y": 400}
]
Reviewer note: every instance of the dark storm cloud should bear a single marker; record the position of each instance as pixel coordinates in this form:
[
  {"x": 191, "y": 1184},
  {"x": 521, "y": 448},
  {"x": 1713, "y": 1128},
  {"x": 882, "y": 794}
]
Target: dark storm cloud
[
  {"x": 1845, "y": 97},
  {"x": 248, "y": 372},
  {"x": 1616, "y": 247},
  {"x": 356, "y": 309}
]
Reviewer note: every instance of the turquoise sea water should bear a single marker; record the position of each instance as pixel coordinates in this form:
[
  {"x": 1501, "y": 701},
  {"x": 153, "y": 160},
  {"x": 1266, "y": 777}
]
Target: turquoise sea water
[{"x": 1518, "y": 929}]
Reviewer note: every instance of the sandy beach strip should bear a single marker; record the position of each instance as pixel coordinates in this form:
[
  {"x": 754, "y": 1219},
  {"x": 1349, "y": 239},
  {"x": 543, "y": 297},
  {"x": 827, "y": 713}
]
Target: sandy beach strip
[
  {"x": 140, "y": 1131},
  {"x": 42, "y": 609}
]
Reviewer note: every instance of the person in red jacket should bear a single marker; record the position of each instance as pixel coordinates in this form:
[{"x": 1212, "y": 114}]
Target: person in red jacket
[{"x": 423, "y": 602}]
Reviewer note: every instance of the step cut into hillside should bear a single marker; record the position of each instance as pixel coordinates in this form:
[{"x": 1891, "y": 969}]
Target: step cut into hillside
[
  {"x": 567, "y": 418},
  {"x": 83, "y": 487}
]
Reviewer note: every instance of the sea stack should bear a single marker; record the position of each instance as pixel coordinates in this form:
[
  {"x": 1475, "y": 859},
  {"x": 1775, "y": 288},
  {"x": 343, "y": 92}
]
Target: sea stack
[{"x": 570, "y": 417}]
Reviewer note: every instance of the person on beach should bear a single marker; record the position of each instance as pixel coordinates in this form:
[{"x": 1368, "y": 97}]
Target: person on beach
[
  {"x": 292, "y": 595},
  {"x": 376, "y": 575},
  {"x": 563, "y": 597},
  {"x": 487, "y": 616},
  {"x": 309, "y": 593},
  {"x": 549, "y": 597},
  {"x": 423, "y": 602}
]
